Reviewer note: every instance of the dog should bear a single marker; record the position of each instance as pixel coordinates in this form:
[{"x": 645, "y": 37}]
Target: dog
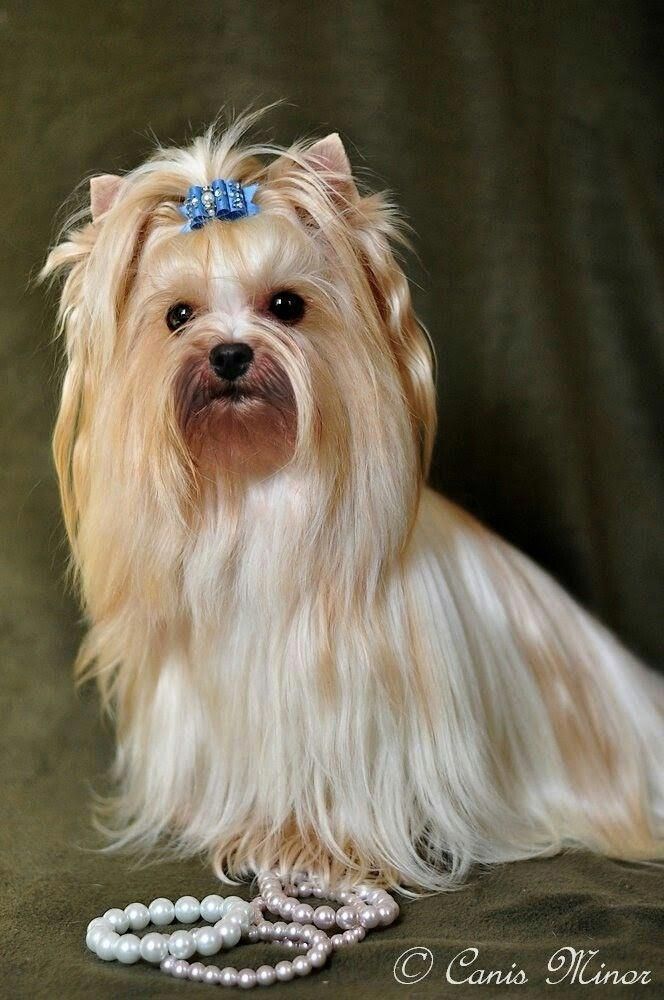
[{"x": 313, "y": 660}]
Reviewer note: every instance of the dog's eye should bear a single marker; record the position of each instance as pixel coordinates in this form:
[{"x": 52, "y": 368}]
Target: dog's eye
[
  {"x": 288, "y": 307},
  {"x": 178, "y": 315}
]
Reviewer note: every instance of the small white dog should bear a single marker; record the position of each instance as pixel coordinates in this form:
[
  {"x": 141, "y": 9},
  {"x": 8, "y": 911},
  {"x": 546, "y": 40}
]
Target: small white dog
[{"x": 313, "y": 660}]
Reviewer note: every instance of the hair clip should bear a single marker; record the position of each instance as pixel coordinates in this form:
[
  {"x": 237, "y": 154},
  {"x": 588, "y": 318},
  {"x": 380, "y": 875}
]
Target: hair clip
[{"x": 225, "y": 200}]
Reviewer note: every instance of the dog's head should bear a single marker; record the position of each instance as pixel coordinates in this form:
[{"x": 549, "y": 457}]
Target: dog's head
[{"x": 202, "y": 363}]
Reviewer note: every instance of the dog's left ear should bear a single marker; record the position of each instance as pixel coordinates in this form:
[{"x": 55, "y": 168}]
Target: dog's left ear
[
  {"x": 104, "y": 189},
  {"x": 375, "y": 228},
  {"x": 327, "y": 159}
]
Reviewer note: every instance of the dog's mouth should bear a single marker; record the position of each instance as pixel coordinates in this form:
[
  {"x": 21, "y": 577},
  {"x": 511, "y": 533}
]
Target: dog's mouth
[
  {"x": 248, "y": 420},
  {"x": 233, "y": 393},
  {"x": 213, "y": 393}
]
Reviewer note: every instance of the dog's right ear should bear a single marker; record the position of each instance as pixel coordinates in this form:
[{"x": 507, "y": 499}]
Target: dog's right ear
[
  {"x": 95, "y": 261},
  {"x": 104, "y": 190}
]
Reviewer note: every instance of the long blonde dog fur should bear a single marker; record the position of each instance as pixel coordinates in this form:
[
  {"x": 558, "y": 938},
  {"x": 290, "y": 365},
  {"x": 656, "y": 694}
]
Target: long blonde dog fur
[{"x": 312, "y": 659}]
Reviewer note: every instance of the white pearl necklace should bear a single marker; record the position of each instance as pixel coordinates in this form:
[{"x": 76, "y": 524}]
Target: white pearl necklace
[{"x": 303, "y": 929}]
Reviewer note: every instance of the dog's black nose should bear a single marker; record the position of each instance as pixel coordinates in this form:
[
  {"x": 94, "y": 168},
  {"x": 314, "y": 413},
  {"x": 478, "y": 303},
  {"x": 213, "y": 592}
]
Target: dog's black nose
[{"x": 231, "y": 360}]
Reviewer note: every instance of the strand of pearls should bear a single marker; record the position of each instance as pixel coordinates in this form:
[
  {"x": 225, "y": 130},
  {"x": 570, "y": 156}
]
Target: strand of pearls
[{"x": 314, "y": 931}]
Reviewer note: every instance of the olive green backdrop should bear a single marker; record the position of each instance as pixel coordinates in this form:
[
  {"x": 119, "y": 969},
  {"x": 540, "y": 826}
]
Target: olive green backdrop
[{"x": 523, "y": 141}]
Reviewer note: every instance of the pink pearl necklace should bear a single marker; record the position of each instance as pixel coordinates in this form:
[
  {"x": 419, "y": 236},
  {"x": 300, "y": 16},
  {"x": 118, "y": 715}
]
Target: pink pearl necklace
[{"x": 314, "y": 932}]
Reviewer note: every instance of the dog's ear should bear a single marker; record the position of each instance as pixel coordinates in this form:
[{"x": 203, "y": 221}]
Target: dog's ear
[
  {"x": 104, "y": 190},
  {"x": 97, "y": 264},
  {"x": 327, "y": 159},
  {"x": 70, "y": 258},
  {"x": 371, "y": 225}
]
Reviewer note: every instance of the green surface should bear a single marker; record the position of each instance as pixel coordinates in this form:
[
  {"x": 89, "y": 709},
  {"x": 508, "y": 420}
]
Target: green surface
[
  {"x": 523, "y": 141},
  {"x": 521, "y": 913}
]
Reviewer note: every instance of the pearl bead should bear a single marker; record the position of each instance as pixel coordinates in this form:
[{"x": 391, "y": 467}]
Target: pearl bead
[
  {"x": 95, "y": 933},
  {"x": 337, "y": 941},
  {"x": 234, "y": 919},
  {"x": 293, "y": 932},
  {"x": 153, "y": 948},
  {"x": 346, "y": 917},
  {"x": 138, "y": 916},
  {"x": 117, "y": 919},
  {"x": 162, "y": 912},
  {"x": 229, "y": 903},
  {"x": 279, "y": 930},
  {"x": 228, "y": 976},
  {"x": 166, "y": 965},
  {"x": 240, "y": 915},
  {"x": 181, "y": 944},
  {"x": 306, "y": 889},
  {"x": 246, "y": 979},
  {"x": 287, "y": 907},
  {"x": 284, "y": 971},
  {"x": 265, "y": 930},
  {"x": 265, "y": 975},
  {"x": 324, "y": 917},
  {"x": 349, "y": 937},
  {"x": 252, "y": 935},
  {"x": 241, "y": 909},
  {"x": 229, "y": 935},
  {"x": 98, "y": 922},
  {"x": 303, "y": 913},
  {"x": 187, "y": 909},
  {"x": 196, "y": 970},
  {"x": 106, "y": 945},
  {"x": 387, "y": 914},
  {"x": 208, "y": 940},
  {"x": 128, "y": 949},
  {"x": 369, "y": 917},
  {"x": 211, "y": 975},
  {"x": 317, "y": 957},
  {"x": 212, "y": 908},
  {"x": 377, "y": 896},
  {"x": 301, "y": 965},
  {"x": 181, "y": 969}
]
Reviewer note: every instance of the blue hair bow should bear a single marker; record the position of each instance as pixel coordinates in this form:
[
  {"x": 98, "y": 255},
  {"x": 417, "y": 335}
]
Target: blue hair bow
[{"x": 218, "y": 200}]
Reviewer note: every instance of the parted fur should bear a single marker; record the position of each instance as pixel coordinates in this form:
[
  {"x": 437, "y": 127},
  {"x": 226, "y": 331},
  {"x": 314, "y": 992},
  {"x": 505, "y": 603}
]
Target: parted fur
[{"x": 312, "y": 659}]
